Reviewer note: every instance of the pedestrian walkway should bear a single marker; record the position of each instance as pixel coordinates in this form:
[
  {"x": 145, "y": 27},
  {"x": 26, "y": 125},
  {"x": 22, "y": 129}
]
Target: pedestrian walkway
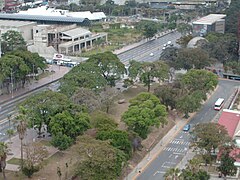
[{"x": 59, "y": 72}]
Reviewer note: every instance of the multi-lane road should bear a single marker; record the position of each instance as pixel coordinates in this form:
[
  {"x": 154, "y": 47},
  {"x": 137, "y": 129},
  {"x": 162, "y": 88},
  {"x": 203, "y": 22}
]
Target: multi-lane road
[
  {"x": 176, "y": 149},
  {"x": 142, "y": 52}
]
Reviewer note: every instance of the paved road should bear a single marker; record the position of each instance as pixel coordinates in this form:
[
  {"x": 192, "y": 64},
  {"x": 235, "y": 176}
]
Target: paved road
[
  {"x": 176, "y": 149},
  {"x": 142, "y": 52}
]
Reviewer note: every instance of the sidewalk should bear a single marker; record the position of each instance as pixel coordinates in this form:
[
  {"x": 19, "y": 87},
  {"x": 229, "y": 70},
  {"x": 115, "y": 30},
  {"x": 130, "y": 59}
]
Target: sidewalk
[{"x": 60, "y": 71}]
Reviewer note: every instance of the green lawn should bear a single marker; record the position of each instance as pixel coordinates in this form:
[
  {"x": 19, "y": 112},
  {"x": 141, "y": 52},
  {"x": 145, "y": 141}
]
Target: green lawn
[{"x": 14, "y": 161}]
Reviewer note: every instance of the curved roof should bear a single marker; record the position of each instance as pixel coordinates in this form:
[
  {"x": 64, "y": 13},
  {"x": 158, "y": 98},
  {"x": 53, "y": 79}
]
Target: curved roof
[
  {"x": 193, "y": 42},
  {"x": 62, "y": 19}
]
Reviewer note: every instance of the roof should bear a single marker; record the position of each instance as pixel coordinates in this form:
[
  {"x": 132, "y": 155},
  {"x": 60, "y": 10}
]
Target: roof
[
  {"x": 230, "y": 120},
  {"x": 193, "y": 42},
  {"x": 210, "y": 19},
  {"x": 15, "y": 23},
  {"x": 77, "y": 32},
  {"x": 45, "y": 18}
]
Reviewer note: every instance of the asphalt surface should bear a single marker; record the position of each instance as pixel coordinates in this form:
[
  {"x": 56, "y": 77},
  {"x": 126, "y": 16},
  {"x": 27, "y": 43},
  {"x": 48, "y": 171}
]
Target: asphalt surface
[
  {"x": 177, "y": 148},
  {"x": 142, "y": 52}
]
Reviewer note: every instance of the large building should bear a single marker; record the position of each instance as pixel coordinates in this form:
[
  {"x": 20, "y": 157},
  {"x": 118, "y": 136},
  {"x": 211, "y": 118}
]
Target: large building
[
  {"x": 11, "y": 4},
  {"x": 23, "y": 27},
  {"x": 210, "y": 23}
]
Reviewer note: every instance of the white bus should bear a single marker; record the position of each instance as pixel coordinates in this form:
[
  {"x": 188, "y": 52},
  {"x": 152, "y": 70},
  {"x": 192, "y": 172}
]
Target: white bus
[{"x": 219, "y": 104}]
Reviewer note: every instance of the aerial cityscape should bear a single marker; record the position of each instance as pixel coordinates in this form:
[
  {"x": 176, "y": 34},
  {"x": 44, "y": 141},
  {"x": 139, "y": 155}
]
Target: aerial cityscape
[{"x": 119, "y": 89}]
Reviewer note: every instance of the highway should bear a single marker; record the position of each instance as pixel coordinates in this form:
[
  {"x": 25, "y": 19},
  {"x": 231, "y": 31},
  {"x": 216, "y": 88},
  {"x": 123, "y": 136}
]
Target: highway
[
  {"x": 142, "y": 52},
  {"x": 176, "y": 149}
]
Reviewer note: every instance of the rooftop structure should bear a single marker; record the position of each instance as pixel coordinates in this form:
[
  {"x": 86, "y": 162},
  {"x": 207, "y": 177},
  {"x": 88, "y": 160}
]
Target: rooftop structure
[
  {"x": 15, "y": 23},
  {"x": 210, "y": 19}
]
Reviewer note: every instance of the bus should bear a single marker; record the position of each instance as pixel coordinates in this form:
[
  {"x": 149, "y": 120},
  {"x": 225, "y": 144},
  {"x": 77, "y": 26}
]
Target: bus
[{"x": 219, "y": 104}]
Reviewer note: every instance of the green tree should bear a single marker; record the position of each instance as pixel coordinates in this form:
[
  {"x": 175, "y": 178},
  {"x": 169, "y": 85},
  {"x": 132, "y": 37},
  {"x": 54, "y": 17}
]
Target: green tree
[
  {"x": 118, "y": 139},
  {"x": 145, "y": 111},
  {"x": 99, "y": 160},
  {"x": 206, "y": 137},
  {"x": 10, "y": 133},
  {"x": 232, "y": 17},
  {"x": 110, "y": 66},
  {"x": 172, "y": 174},
  {"x": 192, "y": 58},
  {"x": 42, "y": 106},
  {"x": 85, "y": 75},
  {"x": 102, "y": 121},
  {"x": 147, "y": 71},
  {"x": 190, "y": 103},
  {"x": 61, "y": 141},
  {"x": 12, "y": 40},
  {"x": 3, "y": 156},
  {"x": 201, "y": 80},
  {"x": 184, "y": 40},
  {"x": 184, "y": 28},
  {"x": 233, "y": 66},
  {"x": 227, "y": 167},
  {"x": 150, "y": 29}
]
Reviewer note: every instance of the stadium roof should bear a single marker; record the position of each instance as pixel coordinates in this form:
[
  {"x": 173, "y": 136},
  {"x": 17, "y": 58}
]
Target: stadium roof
[
  {"x": 44, "y": 18},
  {"x": 210, "y": 19},
  {"x": 76, "y": 32}
]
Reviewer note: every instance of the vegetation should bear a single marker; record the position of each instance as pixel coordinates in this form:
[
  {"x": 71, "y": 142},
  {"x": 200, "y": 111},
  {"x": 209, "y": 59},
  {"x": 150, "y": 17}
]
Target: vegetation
[
  {"x": 232, "y": 17},
  {"x": 3, "y": 156},
  {"x": 207, "y": 137},
  {"x": 145, "y": 111}
]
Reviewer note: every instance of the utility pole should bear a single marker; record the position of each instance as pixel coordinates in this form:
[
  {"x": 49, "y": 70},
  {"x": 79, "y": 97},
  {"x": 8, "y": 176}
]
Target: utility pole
[{"x": 12, "y": 82}]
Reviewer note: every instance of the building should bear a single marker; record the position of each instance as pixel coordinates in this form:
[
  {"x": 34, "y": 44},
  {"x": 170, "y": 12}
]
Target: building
[
  {"x": 11, "y": 4},
  {"x": 23, "y": 27},
  {"x": 210, "y": 23},
  {"x": 2, "y": 5},
  {"x": 66, "y": 40},
  {"x": 231, "y": 121}
]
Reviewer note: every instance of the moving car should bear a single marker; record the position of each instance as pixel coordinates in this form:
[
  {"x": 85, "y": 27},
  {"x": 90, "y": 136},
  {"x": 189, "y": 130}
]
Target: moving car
[
  {"x": 186, "y": 128},
  {"x": 151, "y": 54}
]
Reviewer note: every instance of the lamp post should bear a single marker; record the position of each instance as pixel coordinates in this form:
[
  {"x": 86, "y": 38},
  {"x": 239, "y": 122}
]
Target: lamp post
[{"x": 11, "y": 82}]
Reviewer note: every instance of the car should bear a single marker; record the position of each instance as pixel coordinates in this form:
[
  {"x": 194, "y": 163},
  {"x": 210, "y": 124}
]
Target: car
[
  {"x": 163, "y": 48},
  {"x": 169, "y": 42},
  {"x": 151, "y": 54},
  {"x": 186, "y": 128},
  {"x": 165, "y": 45}
]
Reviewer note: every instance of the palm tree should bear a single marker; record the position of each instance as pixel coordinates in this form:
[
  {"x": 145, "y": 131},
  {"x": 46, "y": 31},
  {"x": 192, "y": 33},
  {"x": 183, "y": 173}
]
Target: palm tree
[
  {"x": 172, "y": 174},
  {"x": 10, "y": 133},
  {"x": 3, "y": 156},
  {"x": 22, "y": 128}
]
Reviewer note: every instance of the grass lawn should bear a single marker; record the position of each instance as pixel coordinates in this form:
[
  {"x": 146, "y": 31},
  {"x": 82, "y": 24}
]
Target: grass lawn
[
  {"x": 99, "y": 50},
  {"x": 45, "y": 143},
  {"x": 14, "y": 161}
]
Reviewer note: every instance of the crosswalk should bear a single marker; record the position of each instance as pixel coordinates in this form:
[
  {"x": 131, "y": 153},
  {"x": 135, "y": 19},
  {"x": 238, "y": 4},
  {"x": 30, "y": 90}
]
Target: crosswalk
[
  {"x": 180, "y": 142},
  {"x": 177, "y": 150}
]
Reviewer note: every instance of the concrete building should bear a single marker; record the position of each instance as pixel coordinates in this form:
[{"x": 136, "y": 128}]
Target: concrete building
[
  {"x": 66, "y": 40},
  {"x": 210, "y": 23},
  {"x": 24, "y": 27}
]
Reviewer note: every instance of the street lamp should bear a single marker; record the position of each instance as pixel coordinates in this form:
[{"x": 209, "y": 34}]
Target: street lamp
[{"x": 11, "y": 79}]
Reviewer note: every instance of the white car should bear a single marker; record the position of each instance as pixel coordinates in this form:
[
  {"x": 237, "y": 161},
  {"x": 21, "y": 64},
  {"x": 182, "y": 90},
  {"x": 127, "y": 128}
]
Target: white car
[
  {"x": 165, "y": 45},
  {"x": 169, "y": 42},
  {"x": 163, "y": 48},
  {"x": 151, "y": 54}
]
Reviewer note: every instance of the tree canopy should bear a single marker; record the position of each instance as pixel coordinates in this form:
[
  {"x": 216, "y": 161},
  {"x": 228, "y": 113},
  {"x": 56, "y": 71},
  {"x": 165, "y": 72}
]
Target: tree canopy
[
  {"x": 232, "y": 17},
  {"x": 145, "y": 111},
  {"x": 12, "y": 40}
]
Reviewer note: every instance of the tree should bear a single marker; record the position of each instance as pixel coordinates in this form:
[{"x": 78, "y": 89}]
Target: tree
[
  {"x": 184, "y": 40},
  {"x": 206, "y": 137},
  {"x": 102, "y": 121},
  {"x": 147, "y": 71},
  {"x": 22, "y": 128},
  {"x": 10, "y": 133},
  {"x": 192, "y": 58},
  {"x": 61, "y": 141},
  {"x": 184, "y": 28},
  {"x": 223, "y": 47},
  {"x": 150, "y": 29},
  {"x": 232, "y": 17},
  {"x": 190, "y": 103},
  {"x": 12, "y": 40},
  {"x": 35, "y": 154},
  {"x": 110, "y": 67},
  {"x": 169, "y": 55},
  {"x": 42, "y": 106},
  {"x": 201, "y": 80},
  {"x": 118, "y": 139},
  {"x": 3, "y": 156},
  {"x": 86, "y": 97},
  {"x": 145, "y": 111},
  {"x": 85, "y": 75},
  {"x": 107, "y": 97},
  {"x": 172, "y": 174},
  {"x": 99, "y": 160},
  {"x": 233, "y": 66},
  {"x": 227, "y": 166}
]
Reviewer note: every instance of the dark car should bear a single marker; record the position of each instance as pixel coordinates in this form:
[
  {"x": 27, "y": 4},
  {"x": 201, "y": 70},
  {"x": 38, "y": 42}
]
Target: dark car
[{"x": 186, "y": 128}]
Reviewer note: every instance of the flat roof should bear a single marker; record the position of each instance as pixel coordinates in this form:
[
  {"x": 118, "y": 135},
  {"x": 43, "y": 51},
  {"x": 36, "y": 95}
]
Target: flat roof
[
  {"x": 12, "y": 23},
  {"x": 77, "y": 32},
  {"x": 210, "y": 19}
]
